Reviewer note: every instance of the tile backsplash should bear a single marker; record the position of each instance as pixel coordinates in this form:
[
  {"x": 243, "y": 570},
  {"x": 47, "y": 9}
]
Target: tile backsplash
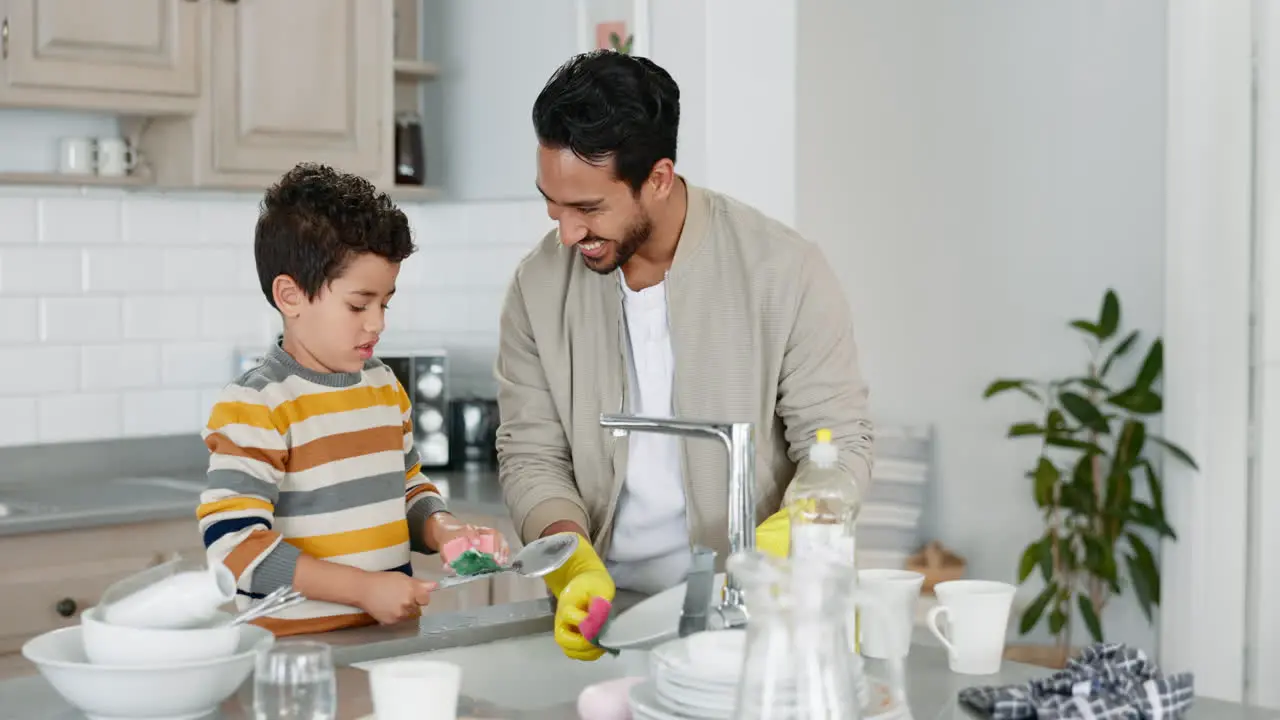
[{"x": 120, "y": 313}]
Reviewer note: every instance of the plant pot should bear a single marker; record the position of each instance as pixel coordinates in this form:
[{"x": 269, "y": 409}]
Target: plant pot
[{"x": 1047, "y": 656}]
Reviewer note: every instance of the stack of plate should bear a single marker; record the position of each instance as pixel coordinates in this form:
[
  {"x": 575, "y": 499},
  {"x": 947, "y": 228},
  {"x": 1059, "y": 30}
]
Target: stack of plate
[{"x": 696, "y": 678}]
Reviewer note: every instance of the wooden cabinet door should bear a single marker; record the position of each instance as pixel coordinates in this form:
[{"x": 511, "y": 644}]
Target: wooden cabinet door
[
  {"x": 295, "y": 81},
  {"x": 129, "y": 46}
]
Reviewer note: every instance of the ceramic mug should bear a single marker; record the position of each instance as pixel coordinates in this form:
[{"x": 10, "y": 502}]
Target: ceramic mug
[
  {"x": 116, "y": 158},
  {"x": 76, "y": 156},
  {"x": 977, "y": 613},
  {"x": 886, "y": 631}
]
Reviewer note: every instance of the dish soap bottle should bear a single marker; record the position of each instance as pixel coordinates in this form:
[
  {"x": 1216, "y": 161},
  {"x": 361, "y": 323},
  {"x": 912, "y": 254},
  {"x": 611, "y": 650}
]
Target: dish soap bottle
[{"x": 822, "y": 505}]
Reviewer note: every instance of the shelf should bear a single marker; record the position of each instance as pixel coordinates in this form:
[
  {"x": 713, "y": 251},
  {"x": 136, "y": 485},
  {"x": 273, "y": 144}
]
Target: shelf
[
  {"x": 68, "y": 180},
  {"x": 416, "y": 70},
  {"x": 414, "y": 193}
]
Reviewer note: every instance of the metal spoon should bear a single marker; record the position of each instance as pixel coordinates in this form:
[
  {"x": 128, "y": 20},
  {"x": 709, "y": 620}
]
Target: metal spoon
[{"x": 534, "y": 560}]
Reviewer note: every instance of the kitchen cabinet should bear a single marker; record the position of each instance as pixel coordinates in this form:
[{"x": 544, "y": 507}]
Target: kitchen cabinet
[
  {"x": 287, "y": 82},
  {"x": 127, "y": 56},
  {"x": 48, "y": 579}
]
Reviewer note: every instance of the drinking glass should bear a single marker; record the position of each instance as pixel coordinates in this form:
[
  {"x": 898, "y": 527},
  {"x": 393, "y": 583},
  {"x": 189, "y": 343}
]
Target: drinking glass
[{"x": 294, "y": 680}]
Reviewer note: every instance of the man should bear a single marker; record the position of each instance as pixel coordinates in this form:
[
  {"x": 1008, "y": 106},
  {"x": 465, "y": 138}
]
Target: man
[{"x": 655, "y": 297}]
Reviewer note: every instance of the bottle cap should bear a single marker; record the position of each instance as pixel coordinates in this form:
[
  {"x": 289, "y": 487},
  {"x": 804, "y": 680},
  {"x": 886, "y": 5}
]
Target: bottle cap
[{"x": 824, "y": 435}]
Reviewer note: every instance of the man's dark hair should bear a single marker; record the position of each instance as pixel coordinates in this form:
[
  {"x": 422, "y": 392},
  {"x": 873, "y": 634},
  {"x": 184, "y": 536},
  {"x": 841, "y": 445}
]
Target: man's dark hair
[
  {"x": 605, "y": 104},
  {"x": 315, "y": 220}
]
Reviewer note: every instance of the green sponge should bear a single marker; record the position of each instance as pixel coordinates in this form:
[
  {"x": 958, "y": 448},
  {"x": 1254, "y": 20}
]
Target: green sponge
[{"x": 474, "y": 562}]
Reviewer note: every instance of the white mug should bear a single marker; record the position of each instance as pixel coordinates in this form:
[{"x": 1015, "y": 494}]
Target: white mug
[
  {"x": 116, "y": 158},
  {"x": 76, "y": 156},
  {"x": 415, "y": 689},
  {"x": 886, "y": 627},
  {"x": 977, "y": 620}
]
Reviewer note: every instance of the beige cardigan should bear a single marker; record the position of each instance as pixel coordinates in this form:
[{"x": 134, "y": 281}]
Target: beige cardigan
[{"x": 760, "y": 330}]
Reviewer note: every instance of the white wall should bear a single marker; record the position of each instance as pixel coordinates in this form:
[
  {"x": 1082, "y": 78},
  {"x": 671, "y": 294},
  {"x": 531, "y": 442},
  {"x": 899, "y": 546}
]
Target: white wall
[
  {"x": 979, "y": 173},
  {"x": 120, "y": 313}
]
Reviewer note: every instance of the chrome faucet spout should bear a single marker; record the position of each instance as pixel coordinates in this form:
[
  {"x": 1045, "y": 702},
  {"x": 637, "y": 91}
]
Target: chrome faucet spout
[{"x": 738, "y": 440}]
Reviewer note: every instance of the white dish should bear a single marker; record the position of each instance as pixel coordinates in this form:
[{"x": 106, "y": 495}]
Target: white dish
[
  {"x": 107, "y": 644},
  {"x": 651, "y": 621},
  {"x": 170, "y": 691}
]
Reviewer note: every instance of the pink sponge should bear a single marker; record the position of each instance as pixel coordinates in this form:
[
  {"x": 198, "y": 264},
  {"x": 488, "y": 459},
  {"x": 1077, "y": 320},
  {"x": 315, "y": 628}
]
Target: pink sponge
[
  {"x": 597, "y": 615},
  {"x": 459, "y": 545}
]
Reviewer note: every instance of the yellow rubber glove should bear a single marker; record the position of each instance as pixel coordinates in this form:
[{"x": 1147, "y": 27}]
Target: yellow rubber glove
[
  {"x": 582, "y": 577},
  {"x": 773, "y": 536}
]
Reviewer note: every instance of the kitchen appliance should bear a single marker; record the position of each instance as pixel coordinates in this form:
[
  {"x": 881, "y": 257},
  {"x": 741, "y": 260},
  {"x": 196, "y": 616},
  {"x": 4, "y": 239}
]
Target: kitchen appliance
[
  {"x": 424, "y": 376},
  {"x": 411, "y": 162},
  {"x": 474, "y": 425}
]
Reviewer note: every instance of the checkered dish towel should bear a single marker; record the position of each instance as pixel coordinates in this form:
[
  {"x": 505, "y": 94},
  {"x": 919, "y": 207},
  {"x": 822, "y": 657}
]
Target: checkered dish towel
[{"x": 1108, "y": 681}]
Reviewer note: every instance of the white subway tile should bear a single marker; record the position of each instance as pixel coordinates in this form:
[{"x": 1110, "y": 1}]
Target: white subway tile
[
  {"x": 208, "y": 398},
  {"x": 115, "y": 367},
  {"x": 247, "y": 274},
  {"x": 202, "y": 268},
  {"x": 435, "y": 267},
  {"x": 244, "y": 318},
  {"x": 34, "y": 370},
  {"x": 509, "y": 223},
  {"x": 79, "y": 319},
  {"x": 79, "y": 220},
  {"x": 18, "y": 221},
  {"x": 123, "y": 269},
  {"x": 199, "y": 363},
  {"x": 161, "y": 221},
  {"x": 439, "y": 224},
  {"x": 40, "y": 271},
  {"x": 17, "y": 421},
  {"x": 230, "y": 221},
  {"x": 19, "y": 320},
  {"x": 87, "y": 416},
  {"x": 162, "y": 412},
  {"x": 161, "y": 317}
]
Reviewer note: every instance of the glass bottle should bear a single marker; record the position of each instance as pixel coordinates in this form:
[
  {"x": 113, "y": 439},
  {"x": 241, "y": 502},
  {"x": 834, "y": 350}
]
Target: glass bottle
[{"x": 797, "y": 664}]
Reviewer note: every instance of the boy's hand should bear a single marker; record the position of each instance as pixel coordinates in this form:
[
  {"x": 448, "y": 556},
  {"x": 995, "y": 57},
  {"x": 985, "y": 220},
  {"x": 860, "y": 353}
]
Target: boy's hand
[
  {"x": 392, "y": 597},
  {"x": 443, "y": 528}
]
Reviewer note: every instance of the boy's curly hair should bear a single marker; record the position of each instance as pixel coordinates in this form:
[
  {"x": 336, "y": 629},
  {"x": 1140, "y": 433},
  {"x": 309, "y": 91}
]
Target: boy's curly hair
[{"x": 315, "y": 220}]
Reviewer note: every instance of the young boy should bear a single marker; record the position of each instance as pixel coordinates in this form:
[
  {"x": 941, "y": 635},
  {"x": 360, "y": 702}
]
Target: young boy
[{"x": 314, "y": 479}]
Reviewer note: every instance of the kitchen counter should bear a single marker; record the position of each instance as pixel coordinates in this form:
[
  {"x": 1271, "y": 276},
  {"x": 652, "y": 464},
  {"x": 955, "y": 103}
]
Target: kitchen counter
[{"x": 86, "y": 501}]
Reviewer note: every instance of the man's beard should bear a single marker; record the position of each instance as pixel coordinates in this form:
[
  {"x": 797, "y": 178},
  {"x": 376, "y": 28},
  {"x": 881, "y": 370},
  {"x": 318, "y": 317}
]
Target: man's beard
[{"x": 635, "y": 236}]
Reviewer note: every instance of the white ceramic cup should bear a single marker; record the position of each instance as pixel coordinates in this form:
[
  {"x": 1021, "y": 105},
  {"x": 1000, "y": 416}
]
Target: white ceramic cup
[
  {"x": 887, "y": 625},
  {"x": 185, "y": 600},
  {"x": 415, "y": 690},
  {"x": 116, "y": 158},
  {"x": 76, "y": 156},
  {"x": 977, "y": 613}
]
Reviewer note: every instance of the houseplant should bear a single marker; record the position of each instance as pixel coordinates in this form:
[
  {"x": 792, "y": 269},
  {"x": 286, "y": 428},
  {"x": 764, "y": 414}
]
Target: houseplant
[{"x": 1096, "y": 457}]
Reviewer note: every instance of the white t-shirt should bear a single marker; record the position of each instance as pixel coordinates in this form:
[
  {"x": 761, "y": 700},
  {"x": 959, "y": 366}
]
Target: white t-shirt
[{"x": 649, "y": 551}]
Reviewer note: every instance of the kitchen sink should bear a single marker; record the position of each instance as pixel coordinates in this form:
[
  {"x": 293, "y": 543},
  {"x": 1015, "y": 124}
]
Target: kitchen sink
[{"x": 46, "y": 497}]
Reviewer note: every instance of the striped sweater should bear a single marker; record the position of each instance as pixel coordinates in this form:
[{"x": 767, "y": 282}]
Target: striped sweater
[{"x": 316, "y": 463}]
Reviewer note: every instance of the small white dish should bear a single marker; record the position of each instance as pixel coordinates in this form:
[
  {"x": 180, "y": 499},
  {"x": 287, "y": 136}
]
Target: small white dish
[
  {"x": 170, "y": 691},
  {"x": 107, "y": 644},
  {"x": 651, "y": 621}
]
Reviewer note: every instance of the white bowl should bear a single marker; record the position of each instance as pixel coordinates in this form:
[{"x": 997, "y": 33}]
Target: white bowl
[
  {"x": 173, "y": 691},
  {"x": 108, "y": 644}
]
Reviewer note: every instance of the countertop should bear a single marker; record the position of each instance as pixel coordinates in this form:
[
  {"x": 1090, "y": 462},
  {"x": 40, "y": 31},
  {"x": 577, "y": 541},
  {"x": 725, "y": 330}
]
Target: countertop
[{"x": 92, "y": 501}]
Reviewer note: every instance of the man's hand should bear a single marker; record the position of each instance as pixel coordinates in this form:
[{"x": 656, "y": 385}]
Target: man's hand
[
  {"x": 581, "y": 578},
  {"x": 392, "y": 597},
  {"x": 443, "y": 528}
]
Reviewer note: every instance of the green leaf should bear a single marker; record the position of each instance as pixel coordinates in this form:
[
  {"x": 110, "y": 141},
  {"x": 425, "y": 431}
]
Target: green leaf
[
  {"x": 1000, "y": 386},
  {"x": 1119, "y": 494},
  {"x": 1046, "y": 559},
  {"x": 1144, "y": 574},
  {"x": 1024, "y": 429},
  {"x": 1032, "y": 614},
  {"x": 1084, "y": 412},
  {"x": 1074, "y": 444},
  {"x": 1031, "y": 559},
  {"x": 1090, "y": 617},
  {"x": 1046, "y": 479},
  {"x": 1133, "y": 434},
  {"x": 1174, "y": 450},
  {"x": 1150, "y": 517},
  {"x": 1140, "y": 401},
  {"x": 1088, "y": 328},
  {"x": 1109, "y": 318},
  {"x": 1118, "y": 352},
  {"x": 1100, "y": 560},
  {"x": 1057, "y": 620},
  {"x": 1156, "y": 491},
  {"x": 1151, "y": 366}
]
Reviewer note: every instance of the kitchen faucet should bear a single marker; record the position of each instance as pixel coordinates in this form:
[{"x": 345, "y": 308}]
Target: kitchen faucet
[{"x": 740, "y": 445}]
